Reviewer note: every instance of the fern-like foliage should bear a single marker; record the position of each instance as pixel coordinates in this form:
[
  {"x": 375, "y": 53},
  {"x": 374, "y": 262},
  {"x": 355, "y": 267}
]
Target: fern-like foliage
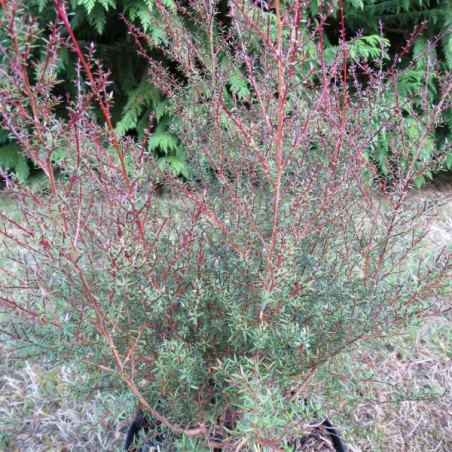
[
  {"x": 388, "y": 25},
  {"x": 99, "y": 21},
  {"x": 394, "y": 22},
  {"x": 12, "y": 162},
  {"x": 399, "y": 17},
  {"x": 369, "y": 47}
]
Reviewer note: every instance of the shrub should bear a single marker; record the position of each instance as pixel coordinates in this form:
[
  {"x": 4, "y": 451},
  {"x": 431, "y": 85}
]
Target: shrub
[
  {"x": 213, "y": 298},
  {"x": 135, "y": 97},
  {"x": 99, "y": 22}
]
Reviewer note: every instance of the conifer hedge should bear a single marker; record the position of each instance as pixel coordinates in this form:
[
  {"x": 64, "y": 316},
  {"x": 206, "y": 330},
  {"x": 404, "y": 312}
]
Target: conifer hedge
[{"x": 388, "y": 27}]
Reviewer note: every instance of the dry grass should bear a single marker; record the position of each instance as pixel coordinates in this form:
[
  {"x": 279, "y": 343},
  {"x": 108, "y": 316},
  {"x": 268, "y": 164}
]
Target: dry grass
[
  {"x": 38, "y": 413},
  {"x": 416, "y": 365}
]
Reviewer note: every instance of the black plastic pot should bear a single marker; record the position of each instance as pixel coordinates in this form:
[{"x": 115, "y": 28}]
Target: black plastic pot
[
  {"x": 141, "y": 424},
  {"x": 335, "y": 438}
]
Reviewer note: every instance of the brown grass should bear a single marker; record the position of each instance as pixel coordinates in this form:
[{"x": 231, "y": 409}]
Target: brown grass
[
  {"x": 416, "y": 365},
  {"x": 38, "y": 413}
]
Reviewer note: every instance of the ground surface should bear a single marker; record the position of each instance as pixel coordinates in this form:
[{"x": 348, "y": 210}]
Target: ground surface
[{"x": 37, "y": 412}]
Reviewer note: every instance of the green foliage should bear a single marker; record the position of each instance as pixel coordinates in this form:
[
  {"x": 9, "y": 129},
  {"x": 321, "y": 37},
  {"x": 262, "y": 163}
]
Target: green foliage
[
  {"x": 143, "y": 98},
  {"x": 239, "y": 85},
  {"x": 369, "y": 48},
  {"x": 397, "y": 20},
  {"x": 135, "y": 98},
  {"x": 11, "y": 159}
]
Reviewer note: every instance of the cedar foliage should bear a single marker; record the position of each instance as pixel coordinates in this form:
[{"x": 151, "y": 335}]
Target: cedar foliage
[{"x": 135, "y": 98}]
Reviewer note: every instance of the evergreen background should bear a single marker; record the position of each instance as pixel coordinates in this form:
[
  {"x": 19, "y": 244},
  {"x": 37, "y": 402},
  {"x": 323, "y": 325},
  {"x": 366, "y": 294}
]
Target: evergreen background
[{"x": 370, "y": 25}]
